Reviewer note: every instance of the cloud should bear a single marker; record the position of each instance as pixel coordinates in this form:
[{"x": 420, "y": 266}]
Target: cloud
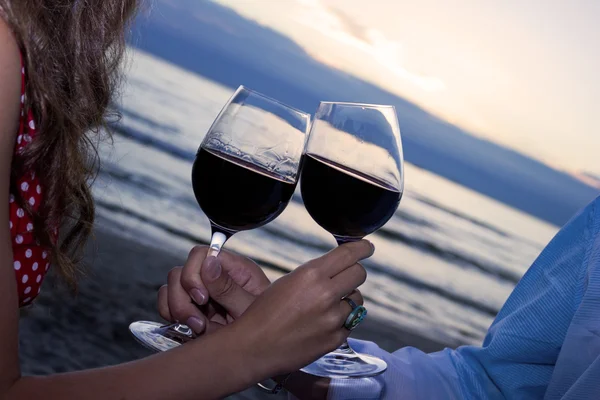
[
  {"x": 349, "y": 25},
  {"x": 342, "y": 28}
]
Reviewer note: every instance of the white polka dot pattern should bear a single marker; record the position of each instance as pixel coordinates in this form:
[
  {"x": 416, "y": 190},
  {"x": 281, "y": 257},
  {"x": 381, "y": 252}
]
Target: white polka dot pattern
[{"x": 28, "y": 255}]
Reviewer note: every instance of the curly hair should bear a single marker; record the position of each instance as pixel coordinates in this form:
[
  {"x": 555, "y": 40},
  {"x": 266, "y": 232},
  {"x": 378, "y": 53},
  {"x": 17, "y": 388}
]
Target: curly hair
[{"x": 72, "y": 50}]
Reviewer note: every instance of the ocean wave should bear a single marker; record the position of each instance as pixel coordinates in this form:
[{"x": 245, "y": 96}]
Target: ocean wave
[
  {"x": 370, "y": 265},
  {"x": 152, "y": 141},
  {"x": 449, "y": 255},
  {"x": 130, "y": 114}
]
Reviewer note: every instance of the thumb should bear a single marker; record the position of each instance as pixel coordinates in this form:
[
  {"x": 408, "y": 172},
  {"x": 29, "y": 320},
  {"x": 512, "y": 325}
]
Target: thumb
[{"x": 223, "y": 290}]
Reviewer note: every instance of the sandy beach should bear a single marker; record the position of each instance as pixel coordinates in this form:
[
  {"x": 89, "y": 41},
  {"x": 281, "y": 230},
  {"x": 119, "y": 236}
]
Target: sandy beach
[{"x": 62, "y": 332}]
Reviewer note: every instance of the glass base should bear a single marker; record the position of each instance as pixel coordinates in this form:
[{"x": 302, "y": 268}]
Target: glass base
[
  {"x": 344, "y": 363},
  {"x": 159, "y": 337}
]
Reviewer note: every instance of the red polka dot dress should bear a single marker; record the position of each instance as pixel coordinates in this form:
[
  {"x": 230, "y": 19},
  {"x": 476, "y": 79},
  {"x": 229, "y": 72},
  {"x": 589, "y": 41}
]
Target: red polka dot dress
[{"x": 30, "y": 260}]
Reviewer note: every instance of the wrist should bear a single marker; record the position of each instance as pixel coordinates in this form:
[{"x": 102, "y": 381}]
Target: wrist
[
  {"x": 246, "y": 346},
  {"x": 233, "y": 357}
]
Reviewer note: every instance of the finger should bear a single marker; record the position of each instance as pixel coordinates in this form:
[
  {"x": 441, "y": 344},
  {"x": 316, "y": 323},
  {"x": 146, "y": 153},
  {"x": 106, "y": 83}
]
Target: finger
[
  {"x": 344, "y": 256},
  {"x": 349, "y": 279},
  {"x": 190, "y": 275},
  {"x": 197, "y": 325},
  {"x": 245, "y": 272},
  {"x": 180, "y": 304},
  {"x": 356, "y": 297},
  {"x": 346, "y": 308},
  {"x": 214, "y": 326},
  {"x": 216, "y": 312},
  {"x": 219, "y": 319},
  {"x": 211, "y": 310},
  {"x": 162, "y": 303},
  {"x": 223, "y": 289}
]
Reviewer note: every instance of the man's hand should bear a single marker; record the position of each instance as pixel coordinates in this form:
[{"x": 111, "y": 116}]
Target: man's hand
[{"x": 234, "y": 282}]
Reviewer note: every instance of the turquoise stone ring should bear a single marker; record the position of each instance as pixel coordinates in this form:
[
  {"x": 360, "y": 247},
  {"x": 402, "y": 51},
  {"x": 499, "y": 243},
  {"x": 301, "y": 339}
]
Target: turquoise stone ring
[{"x": 356, "y": 316}]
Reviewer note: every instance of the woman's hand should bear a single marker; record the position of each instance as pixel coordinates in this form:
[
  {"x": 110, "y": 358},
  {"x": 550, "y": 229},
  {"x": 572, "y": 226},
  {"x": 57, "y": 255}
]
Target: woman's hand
[
  {"x": 300, "y": 317},
  {"x": 185, "y": 298},
  {"x": 295, "y": 321}
]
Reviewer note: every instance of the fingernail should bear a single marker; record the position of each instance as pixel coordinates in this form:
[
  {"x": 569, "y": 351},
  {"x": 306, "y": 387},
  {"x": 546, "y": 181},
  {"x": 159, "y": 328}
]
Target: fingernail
[
  {"x": 212, "y": 269},
  {"x": 198, "y": 296},
  {"x": 372, "y": 248},
  {"x": 196, "y": 324}
]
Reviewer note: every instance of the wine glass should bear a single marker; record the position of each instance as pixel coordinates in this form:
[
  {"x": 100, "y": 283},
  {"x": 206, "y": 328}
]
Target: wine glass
[
  {"x": 351, "y": 183},
  {"x": 245, "y": 173}
]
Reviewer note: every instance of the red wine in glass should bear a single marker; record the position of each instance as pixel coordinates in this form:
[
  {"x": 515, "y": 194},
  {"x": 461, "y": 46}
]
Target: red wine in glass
[
  {"x": 356, "y": 205},
  {"x": 236, "y": 195}
]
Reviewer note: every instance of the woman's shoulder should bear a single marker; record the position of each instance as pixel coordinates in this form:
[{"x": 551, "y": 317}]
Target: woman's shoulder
[
  {"x": 10, "y": 59},
  {"x": 10, "y": 86}
]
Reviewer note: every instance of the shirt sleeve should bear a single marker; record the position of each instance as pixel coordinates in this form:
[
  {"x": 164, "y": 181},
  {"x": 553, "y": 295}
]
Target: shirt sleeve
[
  {"x": 577, "y": 372},
  {"x": 522, "y": 345}
]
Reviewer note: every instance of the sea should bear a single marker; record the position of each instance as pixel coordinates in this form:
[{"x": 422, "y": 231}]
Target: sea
[{"x": 444, "y": 264}]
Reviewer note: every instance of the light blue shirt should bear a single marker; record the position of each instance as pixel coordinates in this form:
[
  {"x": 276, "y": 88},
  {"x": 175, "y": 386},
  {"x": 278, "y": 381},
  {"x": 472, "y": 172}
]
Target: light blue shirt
[{"x": 544, "y": 343}]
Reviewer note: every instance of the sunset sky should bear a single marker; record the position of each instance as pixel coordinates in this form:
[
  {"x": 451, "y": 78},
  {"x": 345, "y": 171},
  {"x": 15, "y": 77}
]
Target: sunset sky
[{"x": 521, "y": 73}]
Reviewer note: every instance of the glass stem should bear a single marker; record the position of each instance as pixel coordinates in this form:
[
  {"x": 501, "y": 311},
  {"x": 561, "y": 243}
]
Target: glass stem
[
  {"x": 216, "y": 243},
  {"x": 345, "y": 347},
  {"x": 343, "y": 240}
]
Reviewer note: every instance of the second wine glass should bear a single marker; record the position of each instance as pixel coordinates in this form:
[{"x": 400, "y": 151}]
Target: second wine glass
[
  {"x": 352, "y": 182},
  {"x": 245, "y": 173}
]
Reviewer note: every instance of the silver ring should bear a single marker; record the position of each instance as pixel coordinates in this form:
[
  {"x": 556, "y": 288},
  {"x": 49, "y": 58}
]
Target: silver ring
[{"x": 353, "y": 305}]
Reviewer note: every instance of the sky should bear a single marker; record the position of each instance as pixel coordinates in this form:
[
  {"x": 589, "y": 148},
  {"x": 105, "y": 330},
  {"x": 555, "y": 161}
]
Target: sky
[{"x": 522, "y": 73}]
